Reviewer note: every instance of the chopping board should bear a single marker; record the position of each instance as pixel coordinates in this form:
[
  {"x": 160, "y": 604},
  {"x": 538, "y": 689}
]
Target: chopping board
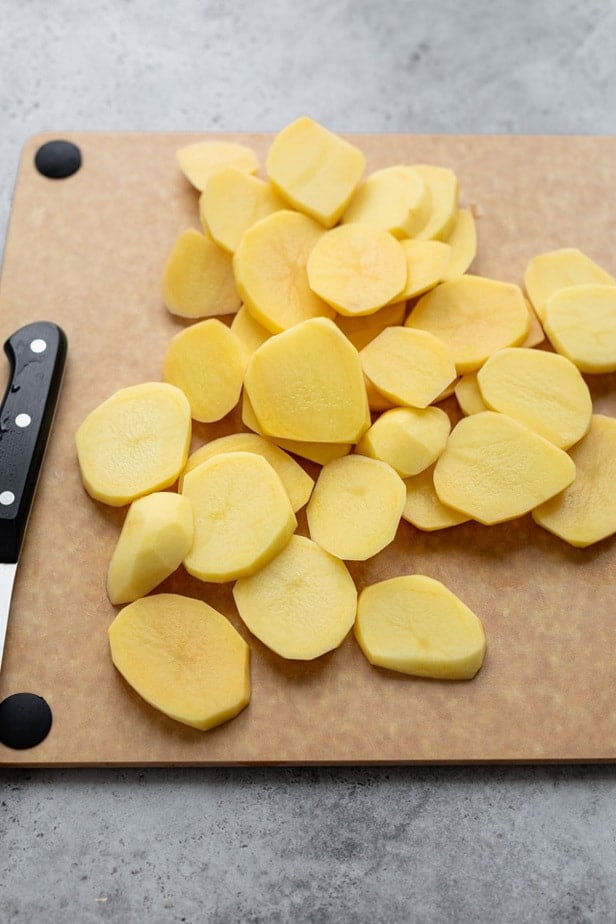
[{"x": 87, "y": 252}]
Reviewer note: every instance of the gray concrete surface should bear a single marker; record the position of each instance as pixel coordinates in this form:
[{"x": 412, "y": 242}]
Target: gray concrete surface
[{"x": 426, "y": 845}]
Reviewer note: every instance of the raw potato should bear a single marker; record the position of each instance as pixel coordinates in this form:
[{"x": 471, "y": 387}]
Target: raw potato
[
  {"x": 395, "y": 199},
  {"x": 207, "y": 362},
  {"x": 183, "y": 657},
  {"x": 249, "y": 332},
  {"x": 302, "y": 604},
  {"x": 198, "y": 161},
  {"x": 549, "y": 272},
  {"x": 409, "y": 366},
  {"x": 134, "y": 443},
  {"x": 357, "y": 268},
  {"x": 475, "y": 316},
  {"x": 442, "y": 185},
  {"x": 585, "y": 512},
  {"x": 426, "y": 263},
  {"x": 315, "y": 170},
  {"x": 540, "y": 389},
  {"x": 198, "y": 280},
  {"x": 462, "y": 240},
  {"x": 242, "y": 514},
  {"x": 409, "y": 439},
  {"x": 494, "y": 468},
  {"x": 468, "y": 394},
  {"x": 156, "y": 536},
  {"x": 307, "y": 384},
  {"x": 536, "y": 333},
  {"x": 415, "y": 625},
  {"x": 362, "y": 329},
  {"x": 355, "y": 507},
  {"x": 580, "y": 322},
  {"x": 232, "y": 201},
  {"x": 270, "y": 271},
  {"x": 297, "y": 483},
  {"x": 423, "y": 509}
]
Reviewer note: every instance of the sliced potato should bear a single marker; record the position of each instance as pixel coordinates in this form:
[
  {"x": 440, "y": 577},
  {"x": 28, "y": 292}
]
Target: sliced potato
[
  {"x": 199, "y": 160},
  {"x": 198, "y": 280},
  {"x": 423, "y": 508},
  {"x": 580, "y": 322},
  {"x": 468, "y": 394},
  {"x": 443, "y": 187},
  {"x": 426, "y": 262},
  {"x": 361, "y": 329},
  {"x": 407, "y": 438},
  {"x": 232, "y": 201},
  {"x": 395, "y": 199},
  {"x": 249, "y": 332},
  {"x": 547, "y": 273},
  {"x": 462, "y": 240}
]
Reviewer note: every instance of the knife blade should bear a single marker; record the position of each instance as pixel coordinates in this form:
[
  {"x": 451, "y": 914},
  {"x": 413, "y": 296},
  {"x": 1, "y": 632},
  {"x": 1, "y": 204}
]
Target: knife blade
[{"x": 37, "y": 358}]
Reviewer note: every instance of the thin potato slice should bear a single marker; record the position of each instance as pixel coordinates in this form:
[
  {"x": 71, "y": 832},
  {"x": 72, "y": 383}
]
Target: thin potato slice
[
  {"x": 494, "y": 468},
  {"x": 423, "y": 509},
  {"x": 540, "y": 389},
  {"x": 549, "y": 272},
  {"x": 207, "y": 362},
  {"x": 355, "y": 507},
  {"x": 468, "y": 395},
  {"x": 536, "y": 333},
  {"x": 442, "y": 185},
  {"x": 462, "y": 240},
  {"x": 134, "y": 443},
  {"x": 407, "y": 438},
  {"x": 415, "y": 625},
  {"x": 580, "y": 322},
  {"x": 232, "y": 201},
  {"x": 395, "y": 199},
  {"x": 363, "y": 328},
  {"x": 242, "y": 514},
  {"x": 475, "y": 316},
  {"x": 182, "y": 657},
  {"x": 249, "y": 332},
  {"x": 198, "y": 280},
  {"x": 426, "y": 262},
  {"x": 199, "y": 160},
  {"x": 585, "y": 512},
  {"x": 357, "y": 268},
  {"x": 302, "y": 604},
  {"x": 270, "y": 271},
  {"x": 315, "y": 170}
]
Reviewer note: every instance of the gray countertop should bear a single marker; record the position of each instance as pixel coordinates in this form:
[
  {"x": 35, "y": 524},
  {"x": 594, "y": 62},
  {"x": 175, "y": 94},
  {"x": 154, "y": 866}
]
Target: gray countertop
[{"x": 386, "y": 844}]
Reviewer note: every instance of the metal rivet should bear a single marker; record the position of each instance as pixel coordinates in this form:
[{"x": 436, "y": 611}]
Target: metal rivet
[
  {"x": 38, "y": 345},
  {"x": 23, "y": 420},
  {"x": 6, "y": 498}
]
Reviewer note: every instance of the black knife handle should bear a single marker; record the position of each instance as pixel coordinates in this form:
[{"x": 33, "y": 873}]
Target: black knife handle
[{"x": 37, "y": 356}]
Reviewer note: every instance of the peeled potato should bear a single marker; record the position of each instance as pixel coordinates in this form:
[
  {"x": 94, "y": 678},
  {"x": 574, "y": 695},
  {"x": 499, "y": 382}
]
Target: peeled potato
[
  {"x": 199, "y": 160},
  {"x": 442, "y": 184},
  {"x": 580, "y": 322},
  {"x": 547, "y": 273},
  {"x": 248, "y": 331},
  {"x": 409, "y": 439},
  {"x": 361, "y": 329},
  {"x": 423, "y": 508},
  {"x": 232, "y": 201},
  {"x": 462, "y": 240},
  {"x": 395, "y": 199},
  {"x": 426, "y": 263},
  {"x": 198, "y": 279},
  {"x": 468, "y": 394}
]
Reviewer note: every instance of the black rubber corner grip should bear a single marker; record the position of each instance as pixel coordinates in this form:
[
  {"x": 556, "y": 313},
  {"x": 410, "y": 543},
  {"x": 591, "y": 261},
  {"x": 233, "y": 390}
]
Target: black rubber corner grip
[{"x": 57, "y": 159}]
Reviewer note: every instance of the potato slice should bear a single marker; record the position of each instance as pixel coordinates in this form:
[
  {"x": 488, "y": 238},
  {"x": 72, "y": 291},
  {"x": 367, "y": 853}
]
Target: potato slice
[
  {"x": 307, "y": 384},
  {"x": 442, "y": 184},
  {"x": 423, "y": 509},
  {"x": 536, "y": 333},
  {"x": 242, "y": 514},
  {"x": 297, "y": 483},
  {"x": 270, "y": 271},
  {"x": 355, "y": 507},
  {"x": 549, "y": 272},
  {"x": 408, "y": 366},
  {"x": 198, "y": 280},
  {"x": 475, "y": 316},
  {"x": 540, "y": 389},
  {"x": 468, "y": 395},
  {"x": 232, "y": 201},
  {"x": 156, "y": 535},
  {"x": 407, "y": 438},
  {"x": 494, "y": 468},
  {"x": 585, "y": 512},
  {"x": 207, "y": 362},
  {"x": 134, "y": 443},
  {"x": 415, "y": 625},
  {"x": 580, "y": 322},
  {"x": 199, "y": 160},
  {"x": 363, "y": 328},
  {"x": 426, "y": 262},
  {"x": 315, "y": 170},
  {"x": 395, "y": 199},
  {"x": 462, "y": 240},
  {"x": 182, "y": 657},
  {"x": 357, "y": 268},
  {"x": 249, "y": 332},
  {"x": 302, "y": 604}
]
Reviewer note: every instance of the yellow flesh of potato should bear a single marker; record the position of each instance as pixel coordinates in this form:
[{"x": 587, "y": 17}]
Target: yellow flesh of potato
[
  {"x": 542, "y": 390},
  {"x": 134, "y": 443},
  {"x": 415, "y": 625},
  {"x": 198, "y": 280},
  {"x": 547, "y": 273},
  {"x": 199, "y": 160},
  {"x": 426, "y": 262},
  {"x": 409, "y": 366},
  {"x": 242, "y": 516},
  {"x": 307, "y": 384},
  {"x": 297, "y": 483},
  {"x": 249, "y": 332},
  {"x": 207, "y": 362},
  {"x": 355, "y": 507},
  {"x": 468, "y": 394},
  {"x": 495, "y": 469},
  {"x": 156, "y": 535},
  {"x": 536, "y": 333},
  {"x": 462, "y": 240},
  {"x": 302, "y": 604},
  {"x": 423, "y": 509},
  {"x": 475, "y": 316},
  {"x": 442, "y": 184},
  {"x": 395, "y": 199},
  {"x": 270, "y": 271},
  {"x": 315, "y": 170},
  {"x": 409, "y": 439},
  {"x": 183, "y": 657},
  {"x": 232, "y": 201},
  {"x": 363, "y": 328},
  {"x": 357, "y": 268},
  {"x": 580, "y": 322},
  {"x": 585, "y": 512}
]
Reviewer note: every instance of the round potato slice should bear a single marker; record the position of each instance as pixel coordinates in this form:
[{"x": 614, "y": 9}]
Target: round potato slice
[
  {"x": 407, "y": 438},
  {"x": 198, "y": 279},
  {"x": 423, "y": 509},
  {"x": 395, "y": 199},
  {"x": 199, "y": 160},
  {"x": 580, "y": 322},
  {"x": 547, "y": 273}
]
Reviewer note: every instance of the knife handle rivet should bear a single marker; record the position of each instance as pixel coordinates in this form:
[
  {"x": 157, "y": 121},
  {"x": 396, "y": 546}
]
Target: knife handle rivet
[
  {"x": 23, "y": 420},
  {"x": 6, "y": 498},
  {"x": 38, "y": 346}
]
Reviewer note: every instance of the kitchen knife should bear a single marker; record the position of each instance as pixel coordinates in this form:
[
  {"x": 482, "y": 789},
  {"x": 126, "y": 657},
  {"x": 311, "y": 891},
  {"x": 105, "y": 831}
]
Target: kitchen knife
[{"x": 37, "y": 357}]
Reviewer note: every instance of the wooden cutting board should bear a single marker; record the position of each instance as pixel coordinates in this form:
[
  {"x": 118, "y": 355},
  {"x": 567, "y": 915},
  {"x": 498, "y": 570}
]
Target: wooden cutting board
[{"x": 87, "y": 252}]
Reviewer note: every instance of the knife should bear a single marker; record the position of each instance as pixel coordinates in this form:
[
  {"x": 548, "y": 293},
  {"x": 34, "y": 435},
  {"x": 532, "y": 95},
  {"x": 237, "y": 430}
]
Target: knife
[{"x": 37, "y": 357}]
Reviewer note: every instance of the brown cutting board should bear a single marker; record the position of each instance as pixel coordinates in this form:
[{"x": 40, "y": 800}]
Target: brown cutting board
[{"x": 87, "y": 252}]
